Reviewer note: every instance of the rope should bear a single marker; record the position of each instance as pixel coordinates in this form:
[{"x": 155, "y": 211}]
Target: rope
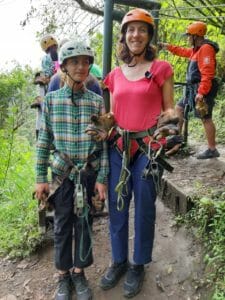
[
  {"x": 84, "y": 218},
  {"x": 121, "y": 187},
  {"x": 125, "y": 174}
]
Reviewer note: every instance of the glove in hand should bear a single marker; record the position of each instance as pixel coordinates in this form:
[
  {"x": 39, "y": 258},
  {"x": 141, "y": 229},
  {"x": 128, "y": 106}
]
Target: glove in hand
[
  {"x": 167, "y": 125},
  {"x": 100, "y": 126},
  {"x": 202, "y": 108}
]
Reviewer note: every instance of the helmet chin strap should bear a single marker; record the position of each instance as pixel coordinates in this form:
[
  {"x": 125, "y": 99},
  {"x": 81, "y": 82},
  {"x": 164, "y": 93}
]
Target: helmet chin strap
[
  {"x": 136, "y": 54},
  {"x": 75, "y": 82}
]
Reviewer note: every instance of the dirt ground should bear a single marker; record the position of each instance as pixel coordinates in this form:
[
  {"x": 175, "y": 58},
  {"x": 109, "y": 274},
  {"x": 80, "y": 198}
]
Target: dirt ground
[{"x": 175, "y": 272}]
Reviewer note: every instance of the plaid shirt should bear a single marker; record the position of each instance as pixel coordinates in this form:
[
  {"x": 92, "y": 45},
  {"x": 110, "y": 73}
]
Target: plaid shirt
[{"x": 63, "y": 126}]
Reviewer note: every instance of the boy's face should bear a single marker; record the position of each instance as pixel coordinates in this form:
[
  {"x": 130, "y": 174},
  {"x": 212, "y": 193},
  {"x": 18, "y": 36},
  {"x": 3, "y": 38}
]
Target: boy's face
[{"x": 78, "y": 67}]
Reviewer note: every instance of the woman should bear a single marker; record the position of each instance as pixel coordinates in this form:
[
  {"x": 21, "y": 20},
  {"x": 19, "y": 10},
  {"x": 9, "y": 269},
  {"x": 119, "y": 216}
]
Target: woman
[{"x": 140, "y": 90}]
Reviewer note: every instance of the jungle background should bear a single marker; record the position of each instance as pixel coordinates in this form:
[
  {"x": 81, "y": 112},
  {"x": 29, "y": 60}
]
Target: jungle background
[{"x": 19, "y": 234}]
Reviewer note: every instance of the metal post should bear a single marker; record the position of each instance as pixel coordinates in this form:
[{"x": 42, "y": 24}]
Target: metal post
[
  {"x": 155, "y": 14},
  {"x": 107, "y": 46}
]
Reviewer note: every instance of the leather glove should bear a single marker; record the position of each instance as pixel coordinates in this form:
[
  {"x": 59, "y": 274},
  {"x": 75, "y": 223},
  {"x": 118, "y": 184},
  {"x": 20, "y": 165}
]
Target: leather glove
[
  {"x": 167, "y": 125},
  {"x": 101, "y": 126},
  {"x": 202, "y": 108}
]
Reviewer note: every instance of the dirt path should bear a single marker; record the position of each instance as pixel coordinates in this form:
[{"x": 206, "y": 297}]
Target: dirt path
[
  {"x": 174, "y": 273},
  {"x": 176, "y": 262}
]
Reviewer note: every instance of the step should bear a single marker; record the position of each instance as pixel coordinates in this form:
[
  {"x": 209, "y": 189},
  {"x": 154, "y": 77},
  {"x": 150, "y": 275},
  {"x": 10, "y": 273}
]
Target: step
[{"x": 191, "y": 177}]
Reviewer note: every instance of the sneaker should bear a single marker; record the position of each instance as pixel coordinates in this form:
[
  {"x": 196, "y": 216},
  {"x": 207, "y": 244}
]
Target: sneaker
[
  {"x": 64, "y": 289},
  {"x": 80, "y": 283},
  {"x": 208, "y": 154},
  {"x": 113, "y": 275},
  {"x": 134, "y": 280}
]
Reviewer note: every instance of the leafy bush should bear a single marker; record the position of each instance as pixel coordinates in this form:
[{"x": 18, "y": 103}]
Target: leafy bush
[
  {"x": 208, "y": 215},
  {"x": 18, "y": 215}
]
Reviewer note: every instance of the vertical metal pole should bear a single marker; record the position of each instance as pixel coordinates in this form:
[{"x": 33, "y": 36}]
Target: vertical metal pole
[
  {"x": 107, "y": 46},
  {"x": 155, "y": 14}
]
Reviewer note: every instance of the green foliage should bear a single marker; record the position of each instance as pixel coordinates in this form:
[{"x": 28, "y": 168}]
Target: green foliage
[
  {"x": 16, "y": 91},
  {"x": 97, "y": 45},
  {"x": 18, "y": 215},
  {"x": 208, "y": 216}
]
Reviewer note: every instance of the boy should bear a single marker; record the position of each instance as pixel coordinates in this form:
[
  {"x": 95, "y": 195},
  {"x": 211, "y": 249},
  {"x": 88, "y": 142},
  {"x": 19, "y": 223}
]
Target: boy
[{"x": 66, "y": 114}]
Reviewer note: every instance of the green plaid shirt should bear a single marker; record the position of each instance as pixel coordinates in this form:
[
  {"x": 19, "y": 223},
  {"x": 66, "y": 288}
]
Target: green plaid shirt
[{"x": 63, "y": 126}]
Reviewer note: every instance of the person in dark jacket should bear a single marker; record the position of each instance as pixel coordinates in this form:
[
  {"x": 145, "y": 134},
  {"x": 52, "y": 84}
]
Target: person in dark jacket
[{"x": 202, "y": 86}]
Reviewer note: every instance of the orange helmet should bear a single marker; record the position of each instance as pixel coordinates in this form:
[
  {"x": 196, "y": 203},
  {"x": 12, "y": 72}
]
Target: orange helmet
[
  {"x": 197, "y": 28},
  {"x": 137, "y": 14}
]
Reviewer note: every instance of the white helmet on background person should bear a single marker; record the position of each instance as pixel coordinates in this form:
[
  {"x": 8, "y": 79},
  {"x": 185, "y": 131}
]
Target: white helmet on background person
[{"x": 62, "y": 42}]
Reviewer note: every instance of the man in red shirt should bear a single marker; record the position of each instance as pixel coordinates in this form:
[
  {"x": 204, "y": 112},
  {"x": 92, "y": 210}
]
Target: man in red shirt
[{"x": 201, "y": 86}]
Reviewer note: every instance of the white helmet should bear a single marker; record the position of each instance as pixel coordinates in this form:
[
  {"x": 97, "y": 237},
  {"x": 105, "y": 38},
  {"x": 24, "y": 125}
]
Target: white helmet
[{"x": 75, "y": 48}]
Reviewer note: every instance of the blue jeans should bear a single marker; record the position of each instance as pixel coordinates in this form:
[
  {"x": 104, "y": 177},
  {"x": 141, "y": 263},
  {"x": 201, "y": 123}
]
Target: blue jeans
[{"x": 144, "y": 221}]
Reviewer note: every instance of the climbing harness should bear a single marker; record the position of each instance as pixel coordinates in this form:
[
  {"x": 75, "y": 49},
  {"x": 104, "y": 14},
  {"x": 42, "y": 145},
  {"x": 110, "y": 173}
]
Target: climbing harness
[
  {"x": 80, "y": 201},
  {"x": 155, "y": 165}
]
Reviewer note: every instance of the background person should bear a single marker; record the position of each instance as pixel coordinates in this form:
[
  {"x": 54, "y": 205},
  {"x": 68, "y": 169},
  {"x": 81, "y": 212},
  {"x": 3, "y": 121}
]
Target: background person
[
  {"x": 96, "y": 71},
  {"x": 201, "y": 83},
  {"x": 66, "y": 114},
  {"x": 49, "y": 63},
  {"x": 140, "y": 89},
  {"x": 49, "y": 66}
]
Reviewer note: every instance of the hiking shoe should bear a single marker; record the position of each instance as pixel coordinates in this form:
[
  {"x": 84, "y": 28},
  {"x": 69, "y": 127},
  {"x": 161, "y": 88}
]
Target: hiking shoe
[
  {"x": 64, "y": 289},
  {"x": 134, "y": 280},
  {"x": 208, "y": 154},
  {"x": 80, "y": 283},
  {"x": 113, "y": 275}
]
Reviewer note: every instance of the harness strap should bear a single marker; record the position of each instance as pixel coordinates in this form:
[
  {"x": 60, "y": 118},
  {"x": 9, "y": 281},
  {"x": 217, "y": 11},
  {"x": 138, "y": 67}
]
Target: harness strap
[
  {"x": 91, "y": 157},
  {"x": 162, "y": 162},
  {"x": 139, "y": 134},
  {"x": 132, "y": 134}
]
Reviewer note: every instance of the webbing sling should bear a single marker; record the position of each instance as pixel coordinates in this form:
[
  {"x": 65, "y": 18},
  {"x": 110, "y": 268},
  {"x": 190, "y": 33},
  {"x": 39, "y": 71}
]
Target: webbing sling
[{"x": 159, "y": 159}]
